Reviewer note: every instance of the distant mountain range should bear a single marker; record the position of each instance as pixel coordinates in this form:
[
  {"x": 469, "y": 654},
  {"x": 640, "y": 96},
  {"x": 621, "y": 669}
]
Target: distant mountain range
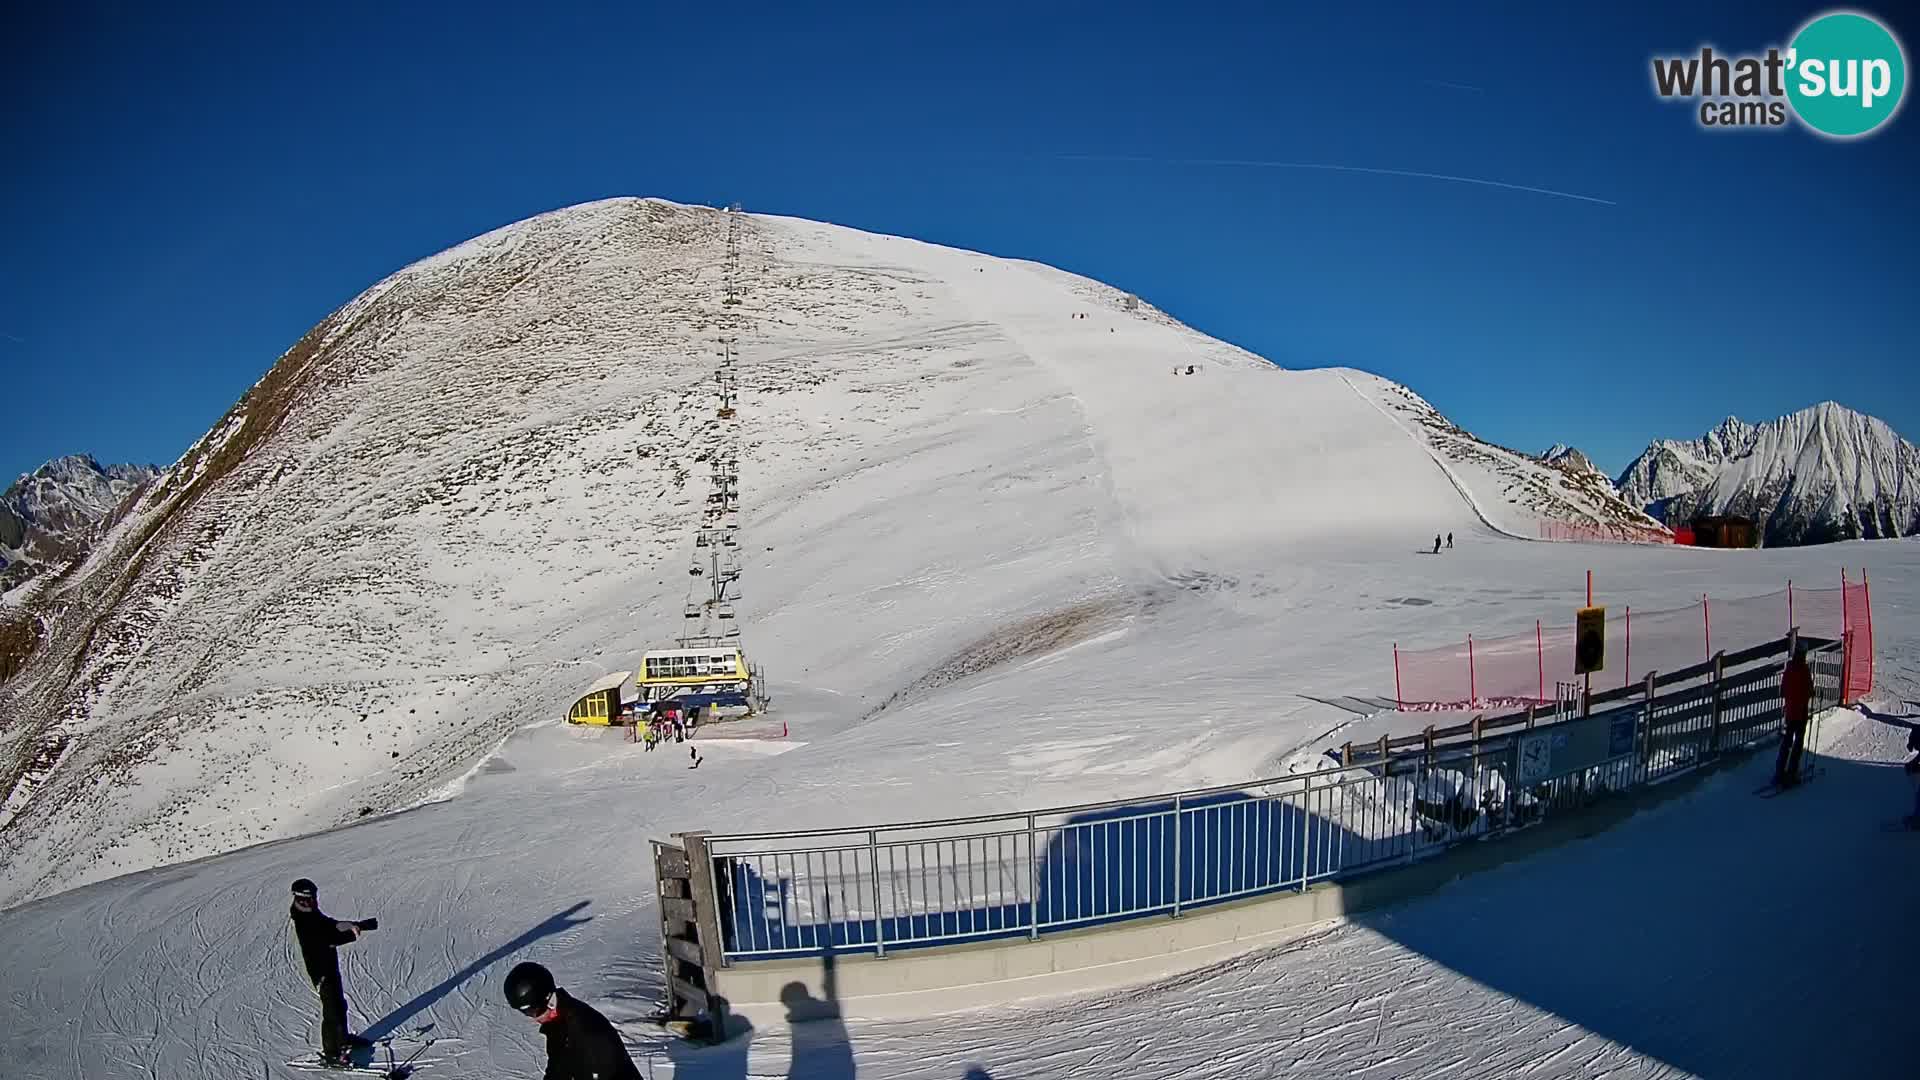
[
  {"x": 51, "y": 516},
  {"x": 1821, "y": 474}
]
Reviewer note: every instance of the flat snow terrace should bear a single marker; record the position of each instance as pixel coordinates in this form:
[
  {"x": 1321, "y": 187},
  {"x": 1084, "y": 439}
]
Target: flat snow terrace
[{"x": 1717, "y": 934}]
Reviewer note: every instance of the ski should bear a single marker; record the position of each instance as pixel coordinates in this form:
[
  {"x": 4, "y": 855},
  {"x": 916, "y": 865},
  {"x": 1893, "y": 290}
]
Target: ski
[
  {"x": 1771, "y": 790},
  {"x": 1900, "y": 825},
  {"x": 392, "y": 1072}
]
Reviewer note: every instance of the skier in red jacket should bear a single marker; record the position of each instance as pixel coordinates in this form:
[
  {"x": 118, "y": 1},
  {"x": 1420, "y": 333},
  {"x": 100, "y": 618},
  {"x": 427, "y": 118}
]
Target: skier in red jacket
[{"x": 1796, "y": 696}]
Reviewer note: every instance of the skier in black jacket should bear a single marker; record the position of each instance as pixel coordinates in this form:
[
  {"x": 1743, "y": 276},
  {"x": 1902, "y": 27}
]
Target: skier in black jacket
[
  {"x": 319, "y": 936},
  {"x": 581, "y": 1044}
]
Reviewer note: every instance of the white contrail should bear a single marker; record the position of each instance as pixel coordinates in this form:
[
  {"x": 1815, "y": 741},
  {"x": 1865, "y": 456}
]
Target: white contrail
[{"x": 1237, "y": 163}]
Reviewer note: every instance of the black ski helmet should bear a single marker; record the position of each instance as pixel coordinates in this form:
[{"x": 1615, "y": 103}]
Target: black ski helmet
[
  {"x": 306, "y": 888},
  {"x": 528, "y": 987}
]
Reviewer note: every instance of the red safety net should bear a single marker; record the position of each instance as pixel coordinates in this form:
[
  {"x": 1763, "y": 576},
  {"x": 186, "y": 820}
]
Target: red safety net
[
  {"x": 1858, "y": 614},
  {"x": 1524, "y": 668},
  {"x": 1604, "y": 534}
]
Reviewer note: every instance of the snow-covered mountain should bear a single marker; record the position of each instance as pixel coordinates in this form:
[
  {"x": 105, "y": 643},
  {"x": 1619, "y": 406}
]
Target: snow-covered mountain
[
  {"x": 475, "y": 487},
  {"x": 1524, "y": 491},
  {"x": 49, "y": 516},
  {"x": 1821, "y": 474}
]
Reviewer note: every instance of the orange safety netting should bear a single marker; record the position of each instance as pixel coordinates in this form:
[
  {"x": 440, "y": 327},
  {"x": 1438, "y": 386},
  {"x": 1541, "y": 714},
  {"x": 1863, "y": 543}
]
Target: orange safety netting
[
  {"x": 1526, "y": 668},
  {"x": 1610, "y": 534}
]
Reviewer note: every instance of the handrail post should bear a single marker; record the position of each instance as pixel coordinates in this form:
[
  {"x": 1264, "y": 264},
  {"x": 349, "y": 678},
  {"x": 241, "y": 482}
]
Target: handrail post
[
  {"x": 1646, "y": 727},
  {"x": 1476, "y": 754},
  {"x": 1178, "y": 882},
  {"x": 879, "y": 925},
  {"x": 1719, "y": 670},
  {"x": 705, "y": 896},
  {"x": 1306, "y": 832},
  {"x": 1033, "y": 884}
]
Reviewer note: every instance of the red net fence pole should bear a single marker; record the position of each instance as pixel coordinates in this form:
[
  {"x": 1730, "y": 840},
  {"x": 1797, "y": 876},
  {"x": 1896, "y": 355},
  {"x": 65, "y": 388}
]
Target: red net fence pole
[
  {"x": 1399, "y": 699},
  {"x": 1706, "y": 621},
  {"x": 1473, "y": 685},
  {"x": 1866, "y": 604},
  {"x": 1626, "y": 668}
]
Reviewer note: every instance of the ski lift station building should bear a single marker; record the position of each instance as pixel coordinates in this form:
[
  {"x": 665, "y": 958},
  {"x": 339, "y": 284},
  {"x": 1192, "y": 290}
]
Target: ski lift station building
[{"x": 696, "y": 676}]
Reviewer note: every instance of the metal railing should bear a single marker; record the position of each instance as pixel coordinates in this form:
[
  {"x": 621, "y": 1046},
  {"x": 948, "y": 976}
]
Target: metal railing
[{"x": 881, "y": 888}]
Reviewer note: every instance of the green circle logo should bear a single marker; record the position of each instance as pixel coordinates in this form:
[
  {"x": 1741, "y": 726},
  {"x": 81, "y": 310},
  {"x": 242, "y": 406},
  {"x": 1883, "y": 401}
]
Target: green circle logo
[{"x": 1846, "y": 74}]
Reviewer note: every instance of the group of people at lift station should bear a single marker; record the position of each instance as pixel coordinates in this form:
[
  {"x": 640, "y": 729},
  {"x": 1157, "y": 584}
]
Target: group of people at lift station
[
  {"x": 581, "y": 1043},
  {"x": 668, "y": 720}
]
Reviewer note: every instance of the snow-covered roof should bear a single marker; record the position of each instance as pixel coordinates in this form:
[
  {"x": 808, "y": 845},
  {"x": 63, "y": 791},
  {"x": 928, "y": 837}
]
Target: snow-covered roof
[{"x": 610, "y": 681}]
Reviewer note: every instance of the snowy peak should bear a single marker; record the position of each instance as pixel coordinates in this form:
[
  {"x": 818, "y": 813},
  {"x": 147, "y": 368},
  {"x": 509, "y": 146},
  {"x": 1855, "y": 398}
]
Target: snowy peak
[
  {"x": 1562, "y": 456},
  {"x": 1726, "y": 440},
  {"x": 50, "y": 516},
  {"x": 1823, "y": 473}
]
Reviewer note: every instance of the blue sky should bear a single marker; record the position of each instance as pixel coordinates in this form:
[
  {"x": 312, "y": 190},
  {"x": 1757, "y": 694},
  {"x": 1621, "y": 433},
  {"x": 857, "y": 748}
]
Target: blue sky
[{"x": 187, "y": 192}]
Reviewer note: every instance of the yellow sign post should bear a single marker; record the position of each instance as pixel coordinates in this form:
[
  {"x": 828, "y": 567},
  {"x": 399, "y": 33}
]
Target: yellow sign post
[
  {"x": 1589, "y": 647},
  {"x": 1590, "y": 641}
]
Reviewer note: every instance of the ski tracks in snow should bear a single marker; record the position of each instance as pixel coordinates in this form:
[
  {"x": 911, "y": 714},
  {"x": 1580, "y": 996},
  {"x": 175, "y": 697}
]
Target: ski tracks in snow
[{"x": 1343, "y": 1002}]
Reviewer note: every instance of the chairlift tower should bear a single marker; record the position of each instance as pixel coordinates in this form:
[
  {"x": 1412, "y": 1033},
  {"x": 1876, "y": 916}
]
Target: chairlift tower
[{"x": 710, "y": 618}]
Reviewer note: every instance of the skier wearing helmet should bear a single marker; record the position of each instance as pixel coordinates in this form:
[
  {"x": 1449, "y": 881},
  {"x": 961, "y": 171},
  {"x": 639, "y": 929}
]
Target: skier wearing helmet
[
  {"x": 320, "y": 937},
  {"x": 581, "y": 1044}
]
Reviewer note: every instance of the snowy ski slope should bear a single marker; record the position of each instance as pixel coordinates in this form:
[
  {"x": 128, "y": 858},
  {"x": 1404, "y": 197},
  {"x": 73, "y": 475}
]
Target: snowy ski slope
[{"x": 997, "y": 557}]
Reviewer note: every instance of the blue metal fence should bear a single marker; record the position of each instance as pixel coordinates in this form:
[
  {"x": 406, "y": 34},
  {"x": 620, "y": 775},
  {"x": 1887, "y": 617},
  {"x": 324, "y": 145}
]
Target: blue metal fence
[{"x": 915, "y": 884}]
